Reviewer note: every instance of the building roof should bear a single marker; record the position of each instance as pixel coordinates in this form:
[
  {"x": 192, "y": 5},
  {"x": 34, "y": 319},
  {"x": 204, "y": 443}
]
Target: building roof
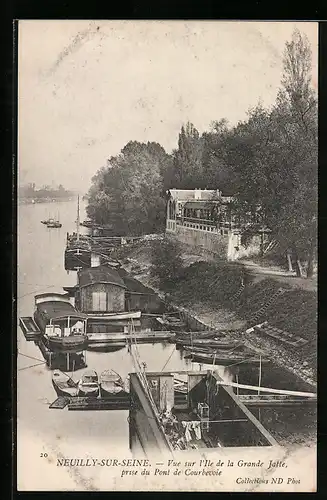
[
  {"x": 56, "y": 310},
  {"x": 100, "y": 274},
  {"x": 193, "y": 194}
]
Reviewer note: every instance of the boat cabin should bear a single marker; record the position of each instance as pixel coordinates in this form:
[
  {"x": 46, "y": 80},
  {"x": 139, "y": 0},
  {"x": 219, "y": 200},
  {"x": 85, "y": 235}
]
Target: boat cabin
[
  {"x": 57, "y": 317},
  {"x": 100, "y": 290}
]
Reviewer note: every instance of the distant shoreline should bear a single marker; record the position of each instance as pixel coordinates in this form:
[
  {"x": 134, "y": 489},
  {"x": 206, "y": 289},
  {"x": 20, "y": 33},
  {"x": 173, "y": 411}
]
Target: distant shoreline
[{"x": 32, "y": 201}]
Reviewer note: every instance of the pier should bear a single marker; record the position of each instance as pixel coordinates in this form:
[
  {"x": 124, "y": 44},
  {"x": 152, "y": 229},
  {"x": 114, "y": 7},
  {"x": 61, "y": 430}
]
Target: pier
[
  {"x": 206, "y": 415},
  {"x": 92, "y": 404},
  {"x": 139, "y": 337}
]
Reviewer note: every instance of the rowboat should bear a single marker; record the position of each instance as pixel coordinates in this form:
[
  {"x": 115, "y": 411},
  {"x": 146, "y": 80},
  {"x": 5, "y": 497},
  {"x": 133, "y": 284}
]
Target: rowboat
[
  {"x": 214, "y": 343},
  {"x": 204, "y": 334},
  {"x": 89, "y": 384},
  {"x": 171, "y": 323},
  {"x": 116, "y": 316},
  {"x": 111, "y": 384},
  {"x": 222, "y": 358},
  {"x": 63, "y": 384}
]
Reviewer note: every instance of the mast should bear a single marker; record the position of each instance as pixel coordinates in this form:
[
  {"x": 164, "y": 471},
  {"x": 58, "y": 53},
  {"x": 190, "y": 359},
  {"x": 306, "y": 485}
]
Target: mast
[{"x": 77, "y": 220}]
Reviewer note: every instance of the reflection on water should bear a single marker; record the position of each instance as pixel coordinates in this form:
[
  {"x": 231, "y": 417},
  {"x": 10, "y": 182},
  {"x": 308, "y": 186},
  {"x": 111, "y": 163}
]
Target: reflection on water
[{"x": 40, "y": 269}]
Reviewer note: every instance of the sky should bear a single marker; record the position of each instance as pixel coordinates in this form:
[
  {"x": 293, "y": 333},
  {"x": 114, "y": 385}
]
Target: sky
[{"x": 86, "y": 88}]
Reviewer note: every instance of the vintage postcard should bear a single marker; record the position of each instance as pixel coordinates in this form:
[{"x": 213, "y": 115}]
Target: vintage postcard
[{"x": 167, "y": 256}]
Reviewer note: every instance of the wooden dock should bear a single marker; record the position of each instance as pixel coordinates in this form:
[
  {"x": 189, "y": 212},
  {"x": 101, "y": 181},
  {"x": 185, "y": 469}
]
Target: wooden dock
[
  {"x": 274, "y": 400},
  {"x": 147, "y": 429},
  {"x": 139, "y": 337},
  {"x": 93, "y": 404},
  {"x": 29, "y": 328}
]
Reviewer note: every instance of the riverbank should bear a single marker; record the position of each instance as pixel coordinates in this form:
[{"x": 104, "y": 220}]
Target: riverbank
[{"x": 218, "y": 302}]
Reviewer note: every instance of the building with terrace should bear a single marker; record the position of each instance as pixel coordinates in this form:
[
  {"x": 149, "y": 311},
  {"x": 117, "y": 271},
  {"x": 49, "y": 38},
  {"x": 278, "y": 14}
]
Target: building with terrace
[{"x": 206, "y": 218}]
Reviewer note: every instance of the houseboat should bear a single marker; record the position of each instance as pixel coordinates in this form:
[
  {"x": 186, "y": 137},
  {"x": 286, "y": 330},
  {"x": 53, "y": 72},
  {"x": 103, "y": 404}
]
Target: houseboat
[
  {"x": 78, "y": 249},
  {"x": 62, "y": 326},
  {"x": 100, "y": 293}
]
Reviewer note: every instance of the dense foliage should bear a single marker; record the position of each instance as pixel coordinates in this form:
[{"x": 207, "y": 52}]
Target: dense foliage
[
  {"x": 129, "y": 193},
  {"x": 268, "y": 162},
  {"x": 166, "y": 261}
]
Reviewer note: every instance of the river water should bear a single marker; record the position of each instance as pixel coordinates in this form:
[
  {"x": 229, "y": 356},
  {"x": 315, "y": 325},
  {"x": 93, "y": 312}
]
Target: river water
[
  {"x": 43, "y": 430},
  {"x": 41, "y": 269}
]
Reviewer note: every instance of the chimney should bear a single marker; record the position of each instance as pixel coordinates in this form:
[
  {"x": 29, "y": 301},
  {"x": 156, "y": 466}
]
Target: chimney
[
  {"x": 197, "y": 194},
  {"x": 95, "y": 260}
]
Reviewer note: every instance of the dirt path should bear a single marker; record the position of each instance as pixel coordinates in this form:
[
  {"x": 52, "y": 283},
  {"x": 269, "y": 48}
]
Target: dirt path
[{"x": 279, "y": 275}]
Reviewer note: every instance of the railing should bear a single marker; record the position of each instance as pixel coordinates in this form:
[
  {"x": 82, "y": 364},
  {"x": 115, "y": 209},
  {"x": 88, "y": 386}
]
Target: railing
[
  {"x": 222, "y": 228},
  {"x": 207, "y": 225}
]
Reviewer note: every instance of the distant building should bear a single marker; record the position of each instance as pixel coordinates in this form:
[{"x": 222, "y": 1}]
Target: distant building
[{"x": 100, "y": 289}]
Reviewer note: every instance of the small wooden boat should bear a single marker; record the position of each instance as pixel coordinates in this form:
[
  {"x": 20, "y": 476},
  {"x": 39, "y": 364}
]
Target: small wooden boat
[
  {"x": 89, "y": 386},
  {"x": 171, "y": 322},
  {"x": 222, "y": 358},
  {"x": 205, "y": 334},
  {"x": 214, "y": 343},
  {"x": 111, "y": 384},
  {"x": 63, "y": 384},
  {"x": 46, "y": 221},
  {"x": 87, "y": 223},
  {"x": 116, "y": 316}
]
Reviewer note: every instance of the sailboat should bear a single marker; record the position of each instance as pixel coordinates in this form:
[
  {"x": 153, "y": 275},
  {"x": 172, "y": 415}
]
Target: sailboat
[
  {"x": 46, "y": 221},
  {"x": 78, "y": 248}
]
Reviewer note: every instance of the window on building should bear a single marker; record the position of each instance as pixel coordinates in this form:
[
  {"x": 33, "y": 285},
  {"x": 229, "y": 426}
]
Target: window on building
[{"x": 99, "y": 301}]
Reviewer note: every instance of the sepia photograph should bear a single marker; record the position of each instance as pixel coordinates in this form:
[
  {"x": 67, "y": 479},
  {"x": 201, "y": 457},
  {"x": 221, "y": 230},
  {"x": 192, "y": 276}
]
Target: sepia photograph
[{"x": 167, "y": 255}]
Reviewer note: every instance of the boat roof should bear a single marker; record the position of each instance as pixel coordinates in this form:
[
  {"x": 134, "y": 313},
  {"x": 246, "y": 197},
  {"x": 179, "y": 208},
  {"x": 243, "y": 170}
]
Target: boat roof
[
  {"x": 99, "y": 274},
  {"x": 59, "y": 310},
  {"x": 52, "y": 297}
]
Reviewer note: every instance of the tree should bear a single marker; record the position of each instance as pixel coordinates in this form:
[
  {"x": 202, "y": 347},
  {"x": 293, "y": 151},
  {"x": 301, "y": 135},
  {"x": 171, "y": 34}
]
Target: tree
[
  {"x": 297, "y": 110},
  {"x": 187, "y": 159},
  {"x": 129, "y": 193},
  {"x": 166, "y": 261},
  {"x": 215, "y": 169},
  {"x": 274, "y": 158}
]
